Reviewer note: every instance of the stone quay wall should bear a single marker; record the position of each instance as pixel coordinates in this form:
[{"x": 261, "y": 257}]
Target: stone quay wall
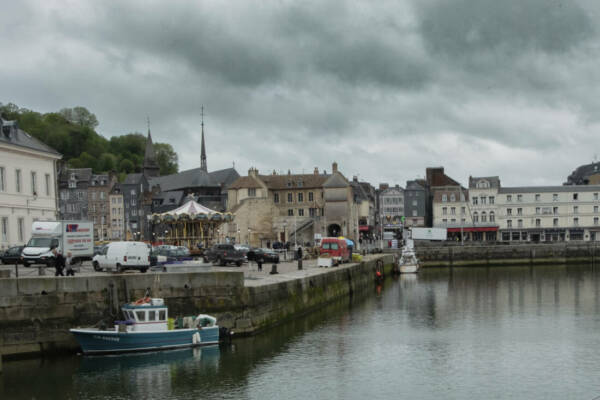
[
  {"x": 499, "y": 255},
  {"x": 36, "y": 313}
]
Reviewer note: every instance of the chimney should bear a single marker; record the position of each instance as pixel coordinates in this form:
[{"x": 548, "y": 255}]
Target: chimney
[
  {"x": 383, "y": 186},
  {"x": 355, "y": 178},
  {"x": 252, "y": 172},
  {"x": 316, "y": 171},
  {"x": 334, "y": 168},
  {"x": 274, "y": 173},
  {"x": 289, "y": 172}
]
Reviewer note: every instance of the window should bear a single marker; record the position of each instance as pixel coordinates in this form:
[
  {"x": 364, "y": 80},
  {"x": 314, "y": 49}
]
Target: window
[
  {"x": 595, "y": 220},
  {"x": 152, "y": 315},
  {"x": 463, "y": 210},
  {"x": 554, "y": 210},
  {"x": 520, "y": 223},
  {"x": 21, "y": 228},
  {"x": 93, "y": 195},
  {"x": 301, "y": 212},
  {"x": 519, "y": 211},
  {"x": 132, "y": 192},
  {"x": 2, "y": 179},
  {"x": 47, "y": 180},
  {"x": 595, "y": 209},
  {"x": 141, "y": 315},
  {"x": 444, "y": 210},
  {"x": 444, "y": 198},
  {"x": 538, "y": 222},
  {"x": 79, "y": 195},
  {"x": 508, "y": 223},
  {"x": 445, "y": 221},
  {"x": 311, "y": 196},
  {"x": 252, "y": 192},
  {"x": 509, "y": 211},
  {"x": 576, "y": 221},
  {"x": 102, "y": 196},
  {"x": 520, "y": 197},
  {"x": 475, "y": 217},
  {"x": 134, "y": 211},
  {"x": 483, "y": 199},
  {"x": 162, "y": 315},
  {"x": 575, "y": 210},
  {"x": 290, "y": 197},
  {"x": 72, "y": 183},
  {"x": 453, "y": 221},
  {"x": 595, "y": 196},
  {"x": 4, "y": 229},
  {"x": 290, "y": 212},
  {"x": 276, "y": 197},
  {"x": 575, "y": 196},
  {"x": 483, "y": 217},
  {"x": 491, "y": 199},
  {"x": 474, "y": 201},
  {"x": 133, "y": 202},
  {"x": 492, "y": 217},
  {"x": 300, "y": 197},
  {"x": 555, "y": 197},
  {"x": 538, "y": 210},
  {"x": 18, "y": 180},
  {"x": 33, "y": 183},
  {"x": 312, "y": 212},
  {"x": 452, "y": 197},
  {"x": 537, "y": 197},
  {"x": 555, "y": 222},
  {"x": 414, "y": 213},
  {"x": 453, "y": 210},
  {"x": 414, "y": 203},
  {"x": 508, "y": 198}
]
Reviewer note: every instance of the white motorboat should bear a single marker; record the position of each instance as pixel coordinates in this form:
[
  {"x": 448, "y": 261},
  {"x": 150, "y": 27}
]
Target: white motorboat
[{"x": 408, "y": 262}]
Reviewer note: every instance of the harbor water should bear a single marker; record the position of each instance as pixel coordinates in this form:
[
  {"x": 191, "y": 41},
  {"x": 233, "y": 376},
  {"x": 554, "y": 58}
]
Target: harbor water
[{"x": 463, "y": 333}]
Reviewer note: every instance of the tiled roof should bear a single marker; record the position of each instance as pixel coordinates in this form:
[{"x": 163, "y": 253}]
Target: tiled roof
[
  {"x": 81, "y": 174},
  {"x": 195, "y": 177},
  {"x": 278, "y": 182},
  {"x": 438, "y": 194},
  {"x": 581, "y": 175},
  {"x": 493, "y": 180}
]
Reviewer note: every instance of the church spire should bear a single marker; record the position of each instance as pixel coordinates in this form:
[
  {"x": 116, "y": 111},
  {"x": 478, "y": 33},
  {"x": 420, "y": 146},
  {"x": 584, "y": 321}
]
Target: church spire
[
  {"x": 203, "y": 166},
  {"x": 151, "y": 168}
]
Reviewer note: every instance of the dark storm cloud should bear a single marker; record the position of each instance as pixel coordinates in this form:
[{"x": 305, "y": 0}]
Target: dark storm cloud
[{"x": 385, "y": 88}]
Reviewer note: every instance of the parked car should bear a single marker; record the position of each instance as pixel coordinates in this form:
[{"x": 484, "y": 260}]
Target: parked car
[
  {"x": 120, "y": 256},
  {"x": 223, "y": 254},
  {"x": 12, "y": 255},
  {"x": 264, "y": 255}
]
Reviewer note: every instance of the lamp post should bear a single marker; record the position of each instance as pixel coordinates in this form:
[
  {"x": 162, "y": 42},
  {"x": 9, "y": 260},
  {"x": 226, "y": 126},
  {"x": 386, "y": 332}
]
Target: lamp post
[
  {"x": 249, "y": 236},
  {"x": 284, "y": 241},
  {"x": 239, "y": 237}
]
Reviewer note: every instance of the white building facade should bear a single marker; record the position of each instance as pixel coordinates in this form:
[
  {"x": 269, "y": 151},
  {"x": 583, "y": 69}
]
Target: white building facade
[{"x": 27, "y": 184}]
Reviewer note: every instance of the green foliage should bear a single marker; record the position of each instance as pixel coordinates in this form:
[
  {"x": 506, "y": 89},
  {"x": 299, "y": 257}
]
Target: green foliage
[
  {"x": 166, "y": 158},
  {"x": 71, "y": 131}
]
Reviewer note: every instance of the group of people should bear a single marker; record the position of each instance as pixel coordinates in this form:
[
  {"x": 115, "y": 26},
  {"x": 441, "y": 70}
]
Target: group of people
[{"x": 60, "y": 263}]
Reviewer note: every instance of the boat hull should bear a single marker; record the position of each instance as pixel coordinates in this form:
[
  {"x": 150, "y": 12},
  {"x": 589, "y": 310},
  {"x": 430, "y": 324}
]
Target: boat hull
[
  {"x": 94, "y": 341},
  {"x": 408, "y": 268}
]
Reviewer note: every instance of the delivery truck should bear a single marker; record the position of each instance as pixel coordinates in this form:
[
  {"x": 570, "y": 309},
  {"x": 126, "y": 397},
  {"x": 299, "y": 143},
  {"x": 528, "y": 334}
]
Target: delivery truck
[{"x": 75, "y": 237}]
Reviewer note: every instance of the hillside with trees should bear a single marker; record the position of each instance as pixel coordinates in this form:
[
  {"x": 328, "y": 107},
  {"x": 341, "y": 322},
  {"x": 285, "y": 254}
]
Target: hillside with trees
[{"x": 71, "y": 131}]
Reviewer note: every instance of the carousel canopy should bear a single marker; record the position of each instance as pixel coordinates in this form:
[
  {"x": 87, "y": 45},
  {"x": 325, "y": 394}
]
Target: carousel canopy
[{"x": 191, "y": 209}]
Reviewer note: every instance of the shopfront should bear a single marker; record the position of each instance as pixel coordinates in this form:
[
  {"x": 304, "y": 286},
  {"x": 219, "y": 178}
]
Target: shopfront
[{"x": 480, "y": 233}]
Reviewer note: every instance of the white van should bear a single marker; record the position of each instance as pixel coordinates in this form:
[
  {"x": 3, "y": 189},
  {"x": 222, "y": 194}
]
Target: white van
[{"x": 119, "y": 256}]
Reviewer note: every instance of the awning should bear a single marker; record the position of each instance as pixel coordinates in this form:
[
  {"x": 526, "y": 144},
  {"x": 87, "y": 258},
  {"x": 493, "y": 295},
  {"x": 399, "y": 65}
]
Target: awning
[
  {"x": 474, "y": 229},
  {"x": 364, "y": 228}
]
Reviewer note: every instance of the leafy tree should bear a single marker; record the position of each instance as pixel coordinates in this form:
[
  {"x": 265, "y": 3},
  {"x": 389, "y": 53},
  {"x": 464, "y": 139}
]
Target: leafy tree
[
  {"x": 166, "y": 158},
  {"x": 107, "y": 162},
  {"x": 126, "y": 166},
  {"x": 80, "y": 116}
]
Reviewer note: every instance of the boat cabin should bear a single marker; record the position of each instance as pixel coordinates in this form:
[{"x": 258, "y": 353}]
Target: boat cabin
[{"x": 146, "y": 315}]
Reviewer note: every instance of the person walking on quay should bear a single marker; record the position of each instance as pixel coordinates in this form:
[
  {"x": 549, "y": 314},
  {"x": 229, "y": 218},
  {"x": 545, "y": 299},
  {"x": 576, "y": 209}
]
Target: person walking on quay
[
  {"x": 59, "y": 263},
  {"x": 299, "y": 253},
  {"x": 69, "y": 262}
]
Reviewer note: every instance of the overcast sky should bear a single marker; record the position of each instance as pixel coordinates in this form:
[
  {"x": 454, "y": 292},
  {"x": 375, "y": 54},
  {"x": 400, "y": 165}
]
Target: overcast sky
[{"x": 385, "y": 88}]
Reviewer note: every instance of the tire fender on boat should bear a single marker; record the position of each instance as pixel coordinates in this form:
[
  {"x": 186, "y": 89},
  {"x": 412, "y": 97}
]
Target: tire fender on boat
[{"x": 196, "y": 338}]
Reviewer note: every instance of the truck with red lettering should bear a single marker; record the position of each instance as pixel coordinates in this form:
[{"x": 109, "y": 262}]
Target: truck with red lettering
[{"x": 75, "y": 237}]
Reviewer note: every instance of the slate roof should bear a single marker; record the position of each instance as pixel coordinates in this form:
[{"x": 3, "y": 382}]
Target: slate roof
[
  {"x": 358, "y": 192},
  {"x": 11, "y": 134},
  {"x": 279, "y": 182},
  {"x": 415, "y": 185},
  {"x": 167, "y": 200},
  {"x": 195, "y": 177},
  {"x": 81, "y": 174},
  {"x": 493, "y": 180},
  {"x": 581, "y": 175},
  {"x": 437, "y": 195},
  {"x": 133, "y": 179}
]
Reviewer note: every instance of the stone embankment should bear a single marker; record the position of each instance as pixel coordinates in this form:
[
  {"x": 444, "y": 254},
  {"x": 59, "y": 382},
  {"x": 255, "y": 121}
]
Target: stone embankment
[
  {"x": 36, "y": 313},
  {"x": 501, "y": 254}
]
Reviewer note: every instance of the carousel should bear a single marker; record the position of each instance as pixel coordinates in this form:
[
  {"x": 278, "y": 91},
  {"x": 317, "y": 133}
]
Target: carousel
[{"x": 191, "y": 224}]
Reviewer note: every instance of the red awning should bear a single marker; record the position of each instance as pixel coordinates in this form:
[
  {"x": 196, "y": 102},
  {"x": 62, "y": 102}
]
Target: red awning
[
  {"x": 474, "y": 229},
  {"x": 364, "y": 228}
]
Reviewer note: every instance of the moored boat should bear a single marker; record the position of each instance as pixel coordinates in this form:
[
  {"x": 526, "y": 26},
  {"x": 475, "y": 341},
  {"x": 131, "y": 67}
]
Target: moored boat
[
  {"x": 146, "y": 327},
  {"x": 408, "y": 262}
]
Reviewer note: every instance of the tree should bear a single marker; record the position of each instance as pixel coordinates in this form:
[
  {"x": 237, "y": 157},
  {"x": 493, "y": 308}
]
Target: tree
[
  {"x": 166, "y": 158},
  {"x": 80, "y": 116},
  {"x": 126, "y": 166},
  {"x": 107, "y": 162}
]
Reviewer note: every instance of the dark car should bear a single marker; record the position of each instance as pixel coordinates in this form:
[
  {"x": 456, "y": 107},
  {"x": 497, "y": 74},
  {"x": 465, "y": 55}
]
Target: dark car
[
  {"x": 12, "y": 255},
  {"x": 223, "y": 254},
  {"x": 264, "y": 255}
]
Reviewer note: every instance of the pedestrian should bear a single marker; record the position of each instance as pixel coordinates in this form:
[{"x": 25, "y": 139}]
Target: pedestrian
[
  {"x": 69, "y": 262},
  {"x": 59, "y": 262},
  {"x": 259, "y": 262},
  {"x": 299, "y": 252}
]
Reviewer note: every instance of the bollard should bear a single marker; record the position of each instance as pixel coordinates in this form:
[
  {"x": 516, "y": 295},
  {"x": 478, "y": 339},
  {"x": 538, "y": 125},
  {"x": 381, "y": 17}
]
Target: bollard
[
  {"x": 17, "y": 270},
  {"x": 273, "y": 269},
  {"x": 41, "y": 270},
  {"x": 299, "y": 263}
]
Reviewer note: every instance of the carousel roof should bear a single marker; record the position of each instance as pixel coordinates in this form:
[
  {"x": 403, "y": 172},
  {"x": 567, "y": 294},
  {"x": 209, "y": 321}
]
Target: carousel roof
[{"x": 192, "y": 209}]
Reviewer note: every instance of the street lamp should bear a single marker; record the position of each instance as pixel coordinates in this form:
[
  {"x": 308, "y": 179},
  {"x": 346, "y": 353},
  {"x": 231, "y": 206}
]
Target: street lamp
[
  {"x": 249, "y": 236},
  {"x": 284, "y": 241},
  {"x": 239, "y": 237}
]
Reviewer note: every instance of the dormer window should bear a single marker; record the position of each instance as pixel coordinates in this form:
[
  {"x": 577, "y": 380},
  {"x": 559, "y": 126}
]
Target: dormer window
[
  {"x": 300, "y": 184},
  {"x": 289, "y": 184}
]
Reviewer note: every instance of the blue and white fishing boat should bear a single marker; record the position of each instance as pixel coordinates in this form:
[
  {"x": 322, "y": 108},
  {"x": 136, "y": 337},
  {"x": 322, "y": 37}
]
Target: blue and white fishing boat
[{"x": 145, "y": 328}]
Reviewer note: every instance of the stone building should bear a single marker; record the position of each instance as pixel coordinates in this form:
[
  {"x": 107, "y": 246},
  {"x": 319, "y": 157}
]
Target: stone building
[
  {"x": 99, "y": 190},
  {"x": 588, "y": 174},
  {"x": 73, "y": 186},
  {"x": 28, "y": 190},
  {"x": 290, "y": 207},
  {"x": 391, "y": 209},
  {"x": 117, "y": 213},
  {"x": 416, "y": 207}
]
